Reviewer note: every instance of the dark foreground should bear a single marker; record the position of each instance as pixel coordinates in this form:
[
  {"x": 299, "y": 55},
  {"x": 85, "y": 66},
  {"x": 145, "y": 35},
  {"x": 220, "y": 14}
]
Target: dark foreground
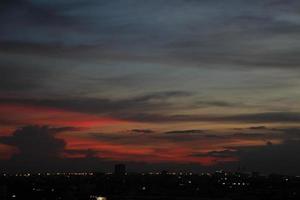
[{"x": 150, "y": 186}]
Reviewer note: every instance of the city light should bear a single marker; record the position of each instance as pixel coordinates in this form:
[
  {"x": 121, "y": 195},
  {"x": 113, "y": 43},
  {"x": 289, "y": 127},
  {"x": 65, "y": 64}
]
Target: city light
[
  {"x": 101, "y": 198},
  {"x": 93, "y": 197}
]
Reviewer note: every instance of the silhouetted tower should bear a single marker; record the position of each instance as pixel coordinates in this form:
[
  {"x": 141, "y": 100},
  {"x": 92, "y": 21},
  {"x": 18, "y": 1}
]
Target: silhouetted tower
[
  {"x": 3, "y": 192},
  {"x": 120, "y": 169}
]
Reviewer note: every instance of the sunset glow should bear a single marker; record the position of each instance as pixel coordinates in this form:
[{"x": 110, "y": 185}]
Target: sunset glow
[{"x": 149, "y": 83}]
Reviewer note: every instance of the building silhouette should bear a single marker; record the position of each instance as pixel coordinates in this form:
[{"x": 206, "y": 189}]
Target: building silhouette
[{"x": 120, "y": 169}]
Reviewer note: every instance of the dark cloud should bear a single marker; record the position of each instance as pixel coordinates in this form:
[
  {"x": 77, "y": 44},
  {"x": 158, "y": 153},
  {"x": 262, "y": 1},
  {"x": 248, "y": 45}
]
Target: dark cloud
[
  {"x": 217, "y": 104},
  {"x": 135, "y": 109},
  {"x": 292, "y": 133},
  {"x": 142, "y": 131},
  {"x": 111, "y": 137},
  {"x": 148, "y": 102},
  {"x": 269, "y": 158},
  {"x": 179, "y": 137},
  {"x": 41, "y": 19},
  {"x": 185, "y": 132},
  {"x": 260, "y": 134},
  {"x": 65, "y": 129},
  {"x": 38, "y": 149},
  {"x": 272, "y": 157},
  {"x": 248, "y": 136},
  {"x": 266, "y": 134},
  {"x": 217, "y": 154},
  {"x": 268, "y": 117},
  {"x": 67, "y": 47},
  {"x": 86, "y": 153},
  {"x": 36, "y": 144},
  {"x": 276, "y": 3},
  {"x": 53, "y": 50},
  {"x": 147, "y": 108},
  {"x": 225, "y": 36},
  {"x": 258, "y": 127},
  {"x": 254, "y": 128},
  {"x": 15, "y": 77}
]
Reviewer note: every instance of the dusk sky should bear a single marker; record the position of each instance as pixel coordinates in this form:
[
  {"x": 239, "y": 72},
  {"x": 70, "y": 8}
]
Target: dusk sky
[{"x": 156, "y": 84}]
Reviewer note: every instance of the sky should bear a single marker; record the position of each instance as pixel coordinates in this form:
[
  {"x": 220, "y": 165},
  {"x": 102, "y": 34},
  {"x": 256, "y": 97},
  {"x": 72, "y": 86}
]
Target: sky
[{"x": 191, "y": 85}]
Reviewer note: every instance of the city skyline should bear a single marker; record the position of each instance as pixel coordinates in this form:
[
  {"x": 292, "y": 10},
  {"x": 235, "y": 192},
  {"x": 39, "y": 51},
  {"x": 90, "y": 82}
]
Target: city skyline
[{"x": 167, "y": 84}]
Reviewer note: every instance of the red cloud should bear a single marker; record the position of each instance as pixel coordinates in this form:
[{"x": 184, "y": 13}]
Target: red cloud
[{"x": 12, "y": 115}]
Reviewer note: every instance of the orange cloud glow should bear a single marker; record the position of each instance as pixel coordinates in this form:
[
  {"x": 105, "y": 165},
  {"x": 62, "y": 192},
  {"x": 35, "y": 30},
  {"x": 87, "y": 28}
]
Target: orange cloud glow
[{"x": 18, "y": 115}]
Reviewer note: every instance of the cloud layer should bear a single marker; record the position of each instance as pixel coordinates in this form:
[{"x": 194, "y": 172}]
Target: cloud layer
[
  {"x": 45, "y": 148},
  {"x": 162, "y": 82}
]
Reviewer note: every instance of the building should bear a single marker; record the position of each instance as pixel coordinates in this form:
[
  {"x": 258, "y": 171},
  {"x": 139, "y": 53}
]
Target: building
[
  {"x": 3, "y": 192},
  {"x": 120, "y": 169}
]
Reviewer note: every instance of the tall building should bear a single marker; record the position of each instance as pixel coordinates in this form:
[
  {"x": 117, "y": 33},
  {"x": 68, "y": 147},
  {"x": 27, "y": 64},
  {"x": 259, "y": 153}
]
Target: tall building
[
  {"x": 3, "y": 192},
  {"x": 120, "y": 169}
]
